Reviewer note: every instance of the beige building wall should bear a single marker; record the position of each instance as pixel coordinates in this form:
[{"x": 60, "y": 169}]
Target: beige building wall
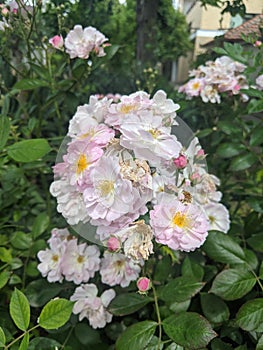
[
  {"x": 254, "y": 6},
  {"x": 206, "y": 23}
]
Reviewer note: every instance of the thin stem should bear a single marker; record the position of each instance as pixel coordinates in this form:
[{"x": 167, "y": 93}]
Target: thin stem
[
  {"x": 158, "y": 318},
  {"x": 258, "y": 280},
  {"x": 67, "y": 338},
  {"x": 21, "y": 336}
]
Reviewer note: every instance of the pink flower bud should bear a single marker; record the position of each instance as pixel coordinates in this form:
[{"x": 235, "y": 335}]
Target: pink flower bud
[
  {"x": 144, "y": 284},
  {"x": 195, "y": 178},
  {"x": 5, "y": 11},
  {"x": 258, "y": 43},
  {"x": 113, "y": 244},
  {"x": 201, "y": 154},
  {"x": 180, "y": 162},
  {"x": 57, "y": 42}
]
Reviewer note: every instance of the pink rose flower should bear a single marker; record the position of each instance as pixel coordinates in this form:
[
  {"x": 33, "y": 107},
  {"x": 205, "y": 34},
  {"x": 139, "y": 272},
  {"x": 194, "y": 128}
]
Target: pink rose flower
[
  {"x": 57, "y": 42},
  {"x": 179, "y": 226}
]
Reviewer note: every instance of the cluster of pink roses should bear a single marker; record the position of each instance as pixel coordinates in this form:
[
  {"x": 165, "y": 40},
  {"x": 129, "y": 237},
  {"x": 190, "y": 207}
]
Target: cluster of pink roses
[
  {"x": 215, "y": 77},
  {"x": 78, "y": 263},
  {"x": 81, "y": 42},
  {"x": 123, "y": 161},
  {"x": 124, "y": 172}
]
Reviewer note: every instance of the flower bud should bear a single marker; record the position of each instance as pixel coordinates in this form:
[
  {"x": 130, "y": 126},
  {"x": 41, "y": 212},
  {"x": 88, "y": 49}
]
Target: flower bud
[
  {"x": 200, "y": 154},
  {"x": 5, "y": 11},
  {"x": 180, "y": 162},
  {"x": 113, "y": 244},
  {"x": 57, "y": 42},
  {"x": 143, "y": 285},
  {"x": 258, "y": 43}
]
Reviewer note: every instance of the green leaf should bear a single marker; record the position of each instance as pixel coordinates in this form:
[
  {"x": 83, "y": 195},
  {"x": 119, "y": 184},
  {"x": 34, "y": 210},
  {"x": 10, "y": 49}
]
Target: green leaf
[
  {"x": 174, "y": 346},
  {"x": 233, "y": 284},
  {"x": 4, "y": 277},
  {"x": 20, "y": 310},
  {"x": 251, "y": 259},
  {"x": 4, "y": 130},
  {"x": 162, "y": 268},
  {"x": 219, "y": 50},
  {"x": 261, "y": 271},
  {"x": 5, "y": 255},
  {"x": 39, "y": 292},
  {"x": 55, "y": 313},
  {"x": 214, "y": 308},
  {"x": 224, "y": 249},
  {"x": 21, "y": 240},
  {"x": 180, "y": 289},
  {"x": 178, "y": 307},
  {"x": 228, "y": 127},
  {"x": 137, "y": 336},
  {"x": 191, "y": 269},
  {"x": 86, "y": 335},
  {"x": 256, "y": 242},
  {"x": 125, "y": 304},
  {"x": 30, "y": 84},
  {"x": 229, "y": 150},
  {"x": 235, "y": 51},
  {"x": 28, "y": 150},
  {"x": 252, "y": 92},
  {"x": 40, "y": 225},
  {"x": 42, "y": 343},
  {"x": 250, "y": 315},
  {"x": 2, "y": 337},
  {"x": 255, "y": 106},
  {"x": 204, "y": 133},
  {"x": 243, "y": 162},
  {"x": 154, "y": 344},
  {"x": 260, "y": 344},
  {"x": 218, "y": 344},
  {"x": 31, "y": 269},
  {"x": 189, "y": 330},
  {"x": 111, "y": 51},
  {"x": 24, "y": 343}
]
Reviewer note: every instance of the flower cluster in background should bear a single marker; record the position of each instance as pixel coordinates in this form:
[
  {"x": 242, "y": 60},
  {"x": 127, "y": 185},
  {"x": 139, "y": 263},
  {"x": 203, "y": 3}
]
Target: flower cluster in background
[
  {"x": 209, "y": 81},
  {"x": 124, "y": 161},
  {"x": 10, "y": 10},
  {"x": 81, "y": 42}
]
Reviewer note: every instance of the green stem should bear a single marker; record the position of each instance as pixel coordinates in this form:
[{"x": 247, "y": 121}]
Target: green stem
[
  {"x": 258, "y": 280},
  {"x": 158, "y": 318},
  {"x": 67, "y": 338},
  {"x": 21, "y": 336}
]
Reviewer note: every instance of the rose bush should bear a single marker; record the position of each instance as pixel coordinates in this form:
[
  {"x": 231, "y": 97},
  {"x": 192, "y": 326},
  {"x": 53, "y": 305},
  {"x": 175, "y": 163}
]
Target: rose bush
[{"x": 160, "y": 272}]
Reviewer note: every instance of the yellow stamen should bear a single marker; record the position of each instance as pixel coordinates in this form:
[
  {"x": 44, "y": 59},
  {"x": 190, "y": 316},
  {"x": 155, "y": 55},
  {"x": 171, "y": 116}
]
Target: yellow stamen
[
  {"x": 55, "y": 258},
  {"x": 91, "y": 133},
  {"x": 80, "y": 259},
  {"x": 106, "y": 187},
  {"x": 212, "y": 219},
  {"x": 196, "y": 86},
  {"x": 180, "y": 220},
  {"x": 119, "y": 263},
  {"x": 127, "y": 108},
  {"x": 154, "y": 132},
  {"x": 82, "y": 163}
]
